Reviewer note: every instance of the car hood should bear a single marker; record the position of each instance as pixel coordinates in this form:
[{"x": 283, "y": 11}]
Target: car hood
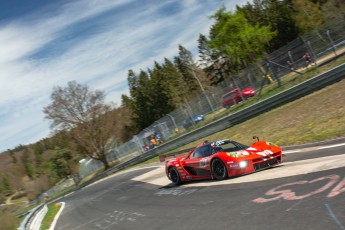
[{"x": 261, "y": 148}]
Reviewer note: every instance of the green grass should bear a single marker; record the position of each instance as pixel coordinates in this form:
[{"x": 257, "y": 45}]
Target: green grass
[{"x": 53, "y": 209}]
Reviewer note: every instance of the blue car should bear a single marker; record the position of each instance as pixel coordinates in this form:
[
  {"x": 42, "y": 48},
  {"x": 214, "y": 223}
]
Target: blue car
[{"x": 192, "y": 121}]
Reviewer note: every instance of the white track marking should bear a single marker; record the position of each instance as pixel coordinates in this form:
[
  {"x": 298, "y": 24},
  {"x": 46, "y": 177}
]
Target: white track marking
[
  {"x": 291, "y": 151},
  {"x": 158, "y": 177},
  {"x": 331, "y": 146},
  {"x": 312, "y": 148},
  {"x": 52, "y": 226}
]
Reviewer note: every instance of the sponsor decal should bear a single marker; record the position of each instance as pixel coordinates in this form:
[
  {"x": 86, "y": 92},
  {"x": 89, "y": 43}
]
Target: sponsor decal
[
  {"x": 218, "y": 143},
  {"x": 244, "y": 152},
  {"x": 265, "y": 153},
  {"x": 234, "y": 154},
  {"x": 203, "y": 162},
  {"x": 271, "y": 144},
  {"x": 234, "y": 165},
  {"x": 252, "y": 149}
]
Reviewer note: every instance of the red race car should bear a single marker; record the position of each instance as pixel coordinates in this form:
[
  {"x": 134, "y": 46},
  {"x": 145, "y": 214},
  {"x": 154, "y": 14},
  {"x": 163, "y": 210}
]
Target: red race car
[
  {"x": 222, "y": 159},
  {"x": 234, "y": 96}
]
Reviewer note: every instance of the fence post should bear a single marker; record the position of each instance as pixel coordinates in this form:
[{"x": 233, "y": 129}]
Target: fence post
[
  {"x": 238, "y": 87},
  {"x": 137, "y": 141},
  {"x": 312, "y": 52},
  {"x": 274, "y": 73},
  {"x": 173, "y": 120},
  {"x": 332, "y": 43},
  {"x": 292, "y": 61},
  {"x": 250, "y": 80}
]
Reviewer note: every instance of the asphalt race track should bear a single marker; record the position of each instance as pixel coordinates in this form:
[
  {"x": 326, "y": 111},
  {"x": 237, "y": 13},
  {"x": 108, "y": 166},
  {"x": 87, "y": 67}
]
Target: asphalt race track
[{"x": 306, "y": 192}]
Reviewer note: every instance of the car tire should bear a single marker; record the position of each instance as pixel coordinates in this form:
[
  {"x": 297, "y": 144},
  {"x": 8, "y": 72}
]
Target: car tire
[
  {"x": 219, "y": 170},
  {"x": 174, "y": 176}
]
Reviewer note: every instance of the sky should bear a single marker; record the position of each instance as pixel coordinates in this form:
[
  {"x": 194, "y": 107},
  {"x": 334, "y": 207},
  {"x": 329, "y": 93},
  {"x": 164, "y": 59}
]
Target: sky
[{"x": 95, "y": 42}]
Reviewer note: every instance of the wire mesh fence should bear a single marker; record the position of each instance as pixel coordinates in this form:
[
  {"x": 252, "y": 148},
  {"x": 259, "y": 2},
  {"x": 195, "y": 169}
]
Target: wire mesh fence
[{"x": 312, "y": 49}]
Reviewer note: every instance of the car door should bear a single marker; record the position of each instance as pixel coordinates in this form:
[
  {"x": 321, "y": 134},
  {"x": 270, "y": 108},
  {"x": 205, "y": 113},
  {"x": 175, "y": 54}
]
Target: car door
[
  {"x": 198, "y": 162},
  {"x": 229, "y": 99},
  {"x": 237, "y": 96}
]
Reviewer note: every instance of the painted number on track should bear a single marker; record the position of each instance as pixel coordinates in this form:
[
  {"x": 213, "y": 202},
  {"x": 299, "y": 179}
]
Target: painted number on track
[{"x": 286, "y": 192}]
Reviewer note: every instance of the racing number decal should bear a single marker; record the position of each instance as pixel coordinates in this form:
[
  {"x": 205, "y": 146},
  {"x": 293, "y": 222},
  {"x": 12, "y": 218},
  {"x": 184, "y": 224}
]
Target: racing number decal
[
  {"x": 203, "y": 162},
  {"x": 265, "y": 153}
]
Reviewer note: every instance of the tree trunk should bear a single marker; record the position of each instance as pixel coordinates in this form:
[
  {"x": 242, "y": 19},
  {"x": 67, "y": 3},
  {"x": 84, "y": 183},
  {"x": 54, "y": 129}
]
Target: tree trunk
[{"x": 105, "y": 163}]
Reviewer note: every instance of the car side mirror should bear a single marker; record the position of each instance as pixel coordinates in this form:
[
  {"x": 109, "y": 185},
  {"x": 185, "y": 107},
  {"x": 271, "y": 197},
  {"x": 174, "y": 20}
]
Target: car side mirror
[{"x": 256, "y": 137}]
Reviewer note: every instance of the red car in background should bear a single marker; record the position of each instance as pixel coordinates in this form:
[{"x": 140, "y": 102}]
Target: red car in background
[
  {"x": 222, "y": 159},
  {"x": 234, "y": 96}
]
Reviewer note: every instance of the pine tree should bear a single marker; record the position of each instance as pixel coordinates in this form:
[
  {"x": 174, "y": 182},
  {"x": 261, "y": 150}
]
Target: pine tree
[{"x": 5, "y": 186}]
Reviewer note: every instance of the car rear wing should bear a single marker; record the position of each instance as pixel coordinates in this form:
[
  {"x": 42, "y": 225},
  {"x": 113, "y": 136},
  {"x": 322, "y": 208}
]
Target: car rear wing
[{"x": 163, "y": 157}]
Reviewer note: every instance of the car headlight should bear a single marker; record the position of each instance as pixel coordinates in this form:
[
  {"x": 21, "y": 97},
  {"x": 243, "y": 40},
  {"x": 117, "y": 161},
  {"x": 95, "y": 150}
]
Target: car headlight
[{"x": 243, "y": 164}]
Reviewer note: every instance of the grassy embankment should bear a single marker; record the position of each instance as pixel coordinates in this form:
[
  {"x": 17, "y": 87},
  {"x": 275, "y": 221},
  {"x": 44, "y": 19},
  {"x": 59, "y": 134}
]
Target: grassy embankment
[{"x": 53, "y": 209}]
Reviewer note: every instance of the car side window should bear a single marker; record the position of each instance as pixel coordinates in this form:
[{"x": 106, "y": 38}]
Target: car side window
[
  {"x": 216, "y": 149},
  {"x": 229, "y": 96},
  {"x": 203, "y": 151}
]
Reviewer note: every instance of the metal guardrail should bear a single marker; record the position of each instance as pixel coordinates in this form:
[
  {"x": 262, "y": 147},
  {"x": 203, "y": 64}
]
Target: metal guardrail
[{"x": 30, "y": 217}]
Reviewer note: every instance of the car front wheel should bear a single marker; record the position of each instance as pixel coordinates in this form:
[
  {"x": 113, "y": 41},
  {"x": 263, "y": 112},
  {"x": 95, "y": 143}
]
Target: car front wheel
[{"x": 219, "y": 170}]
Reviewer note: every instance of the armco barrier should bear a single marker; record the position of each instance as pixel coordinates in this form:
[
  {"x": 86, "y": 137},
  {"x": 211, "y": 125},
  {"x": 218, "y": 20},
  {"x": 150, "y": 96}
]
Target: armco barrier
[
  {"x": 25, "y": 224},
  {"x": 291, "y": 94},
  {"x": 37, "y": 220}
]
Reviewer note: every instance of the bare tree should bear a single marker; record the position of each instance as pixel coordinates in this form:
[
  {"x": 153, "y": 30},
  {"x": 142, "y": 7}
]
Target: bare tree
[{"x": 86, "y": 118}]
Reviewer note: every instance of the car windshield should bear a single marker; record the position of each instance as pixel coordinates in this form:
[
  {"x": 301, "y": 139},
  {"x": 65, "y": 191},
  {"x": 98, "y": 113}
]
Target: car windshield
[{"x": 228, "y": 146}]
